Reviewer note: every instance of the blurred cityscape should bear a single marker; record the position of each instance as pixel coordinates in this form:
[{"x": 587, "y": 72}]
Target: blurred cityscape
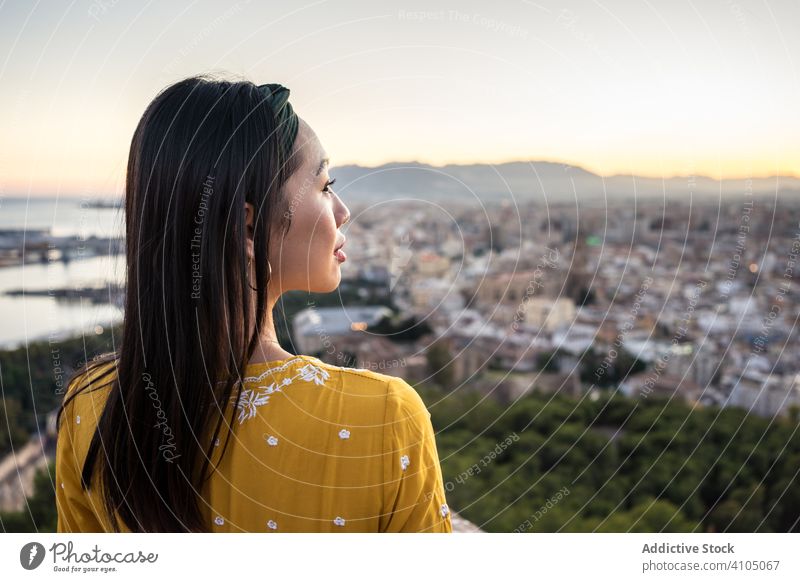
[{"x": 690, "y": 301}]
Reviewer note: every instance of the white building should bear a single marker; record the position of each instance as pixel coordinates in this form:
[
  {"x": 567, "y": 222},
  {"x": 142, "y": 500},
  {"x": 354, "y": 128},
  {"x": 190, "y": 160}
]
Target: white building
[
  {"x": 549, "y": 314},
  {"x": 316, "y": 328},
  {"x": 765, "y": 394}
]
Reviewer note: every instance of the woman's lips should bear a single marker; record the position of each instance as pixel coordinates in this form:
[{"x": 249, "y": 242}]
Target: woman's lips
[{"x": 339, "y": 253}]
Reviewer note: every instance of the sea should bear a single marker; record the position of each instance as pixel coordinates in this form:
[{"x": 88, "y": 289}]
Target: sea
[{"x": 28, "y": 317}]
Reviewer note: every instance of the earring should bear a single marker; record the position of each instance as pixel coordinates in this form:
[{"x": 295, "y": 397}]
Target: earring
[
  {"x": 249, "y": 261},
  {"x": 248, "y": 275}
]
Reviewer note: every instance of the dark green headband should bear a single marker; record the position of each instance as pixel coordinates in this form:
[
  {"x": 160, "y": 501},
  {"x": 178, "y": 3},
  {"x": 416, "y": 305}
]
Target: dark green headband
[{"x": 277, "y": 97}]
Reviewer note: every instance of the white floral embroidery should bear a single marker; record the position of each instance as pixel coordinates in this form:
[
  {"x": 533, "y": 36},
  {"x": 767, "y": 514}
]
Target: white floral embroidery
[
  {"x": 272, "y": 525},
  {"x": 312, "y": 373},
  {"x": 444, "y": 510},
  {"x": 218, "y": 520},
  {"x": 280, "y": 368},
  {"x": 404, "y": 462},
  {"x": 272, "y": 441},
  {"x": 249, "y": 401},
  {"x": 78, "y": 419},
  {"x": 344, "y": 434},
  {"x": 251, "y": 398},
  {"x": 339, "y": 521},
  {"x": 62, "y": 485},
  {"x": 216, "y": 442}
]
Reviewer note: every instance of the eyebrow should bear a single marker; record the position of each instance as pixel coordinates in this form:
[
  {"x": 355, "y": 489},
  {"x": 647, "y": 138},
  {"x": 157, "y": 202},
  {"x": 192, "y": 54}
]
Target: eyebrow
[{"x": 322, "y": 165}]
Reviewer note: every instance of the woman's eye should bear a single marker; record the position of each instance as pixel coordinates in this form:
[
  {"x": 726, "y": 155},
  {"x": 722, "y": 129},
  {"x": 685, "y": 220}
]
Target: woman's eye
[{"x": 328, "y": 186}]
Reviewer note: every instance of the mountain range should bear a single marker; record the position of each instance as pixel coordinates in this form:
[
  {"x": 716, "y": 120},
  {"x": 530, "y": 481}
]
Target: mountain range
[{"x": 536, "y": 180}]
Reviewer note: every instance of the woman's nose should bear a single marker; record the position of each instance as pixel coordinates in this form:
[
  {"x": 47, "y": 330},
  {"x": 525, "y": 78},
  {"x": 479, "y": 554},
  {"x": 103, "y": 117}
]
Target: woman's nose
[{"x": 344, "y": 214}]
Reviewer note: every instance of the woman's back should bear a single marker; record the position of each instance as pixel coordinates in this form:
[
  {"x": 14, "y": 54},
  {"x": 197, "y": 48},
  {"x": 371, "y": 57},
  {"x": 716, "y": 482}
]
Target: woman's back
[{"x": 313, "y": 448}]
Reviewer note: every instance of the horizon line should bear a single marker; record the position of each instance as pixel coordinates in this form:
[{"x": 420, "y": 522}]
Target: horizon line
[{"x": 93, "y": 195}]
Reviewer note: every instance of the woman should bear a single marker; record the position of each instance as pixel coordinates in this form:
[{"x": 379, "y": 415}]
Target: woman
[{"x": 228, "y": 206}]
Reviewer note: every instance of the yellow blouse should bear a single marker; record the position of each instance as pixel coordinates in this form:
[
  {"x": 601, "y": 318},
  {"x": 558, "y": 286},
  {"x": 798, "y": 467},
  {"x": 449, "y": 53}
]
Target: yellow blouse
[{"x": 314, "y": 448}]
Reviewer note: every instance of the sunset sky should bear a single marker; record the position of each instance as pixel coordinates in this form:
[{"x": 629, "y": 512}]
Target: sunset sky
[{"x": 617, "y": 87}]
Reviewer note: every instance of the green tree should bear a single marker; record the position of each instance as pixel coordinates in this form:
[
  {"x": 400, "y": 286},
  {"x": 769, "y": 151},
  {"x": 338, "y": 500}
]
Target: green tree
[
  {"x": 13, "y": 431},
  {"x": 648, "y": 516},
  {"x": 440, "y": 364}
]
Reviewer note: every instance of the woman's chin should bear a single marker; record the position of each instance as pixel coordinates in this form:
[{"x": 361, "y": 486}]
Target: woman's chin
[
  {"x": 328, "y": 286},
  {"x": 326, "y": 283},
  {"x": 335, "y": 283}
]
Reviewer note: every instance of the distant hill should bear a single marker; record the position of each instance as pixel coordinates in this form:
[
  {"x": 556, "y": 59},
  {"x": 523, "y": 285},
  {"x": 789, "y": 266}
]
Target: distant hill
[{"x": 534, "y": 180}]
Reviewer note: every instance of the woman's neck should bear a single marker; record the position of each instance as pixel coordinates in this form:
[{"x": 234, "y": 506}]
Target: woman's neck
[
  {"x": 268, "y": 349},
  {"x": 266, "y": 352}
]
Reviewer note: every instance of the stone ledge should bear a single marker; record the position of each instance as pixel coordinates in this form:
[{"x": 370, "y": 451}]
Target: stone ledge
[{"x": 461, "y": 525}]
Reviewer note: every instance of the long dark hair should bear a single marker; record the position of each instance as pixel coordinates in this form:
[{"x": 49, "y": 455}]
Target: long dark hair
[{"x": 201, "y": 150}]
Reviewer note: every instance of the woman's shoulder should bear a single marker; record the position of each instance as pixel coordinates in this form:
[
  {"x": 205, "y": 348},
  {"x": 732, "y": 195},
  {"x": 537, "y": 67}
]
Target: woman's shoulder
[
  {"x": 313, "y": 369},
  {"x": 403, "y": 402},
  {"x": 396, "y": 388},
  {"x": 91, "y": 381},
  {"x": 355, "y": 372},
  {"x": 401, "y": 398}
]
